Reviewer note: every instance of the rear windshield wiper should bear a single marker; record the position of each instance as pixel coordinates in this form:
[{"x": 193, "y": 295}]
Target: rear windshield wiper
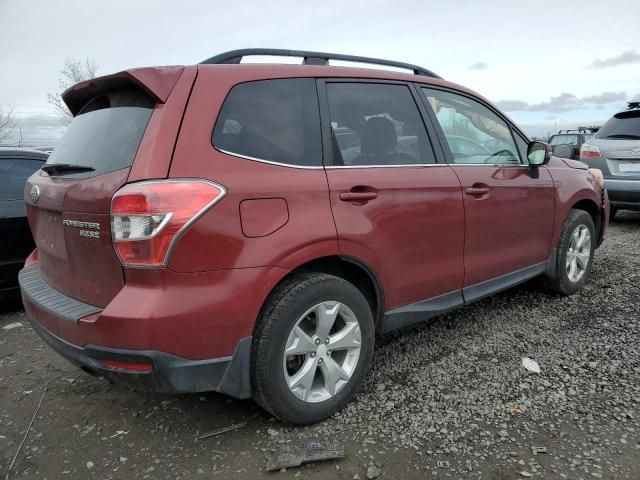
[
  {"x": 624, "y": 135},
  {"x": 66, "y": 167}
]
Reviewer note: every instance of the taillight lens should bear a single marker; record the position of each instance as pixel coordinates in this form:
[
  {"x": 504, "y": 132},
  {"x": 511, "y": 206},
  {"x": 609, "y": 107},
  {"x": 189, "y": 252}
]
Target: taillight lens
[
  {"x": 148, "y": 217},
  {"x": 588, "y": 151}
]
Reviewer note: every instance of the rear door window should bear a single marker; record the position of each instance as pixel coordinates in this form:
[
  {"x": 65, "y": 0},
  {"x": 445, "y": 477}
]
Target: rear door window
[
  {"x": 271, "y": 120},
  {"x": 13, "y": 175},
  {"x": 376, "y": 124},
  {"x": 106, "y": 134}
]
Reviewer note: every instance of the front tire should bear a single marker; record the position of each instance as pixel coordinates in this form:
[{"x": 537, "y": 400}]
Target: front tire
[
  {"x": 574, "y": 254},
  {"x": 312, "y": 347}
]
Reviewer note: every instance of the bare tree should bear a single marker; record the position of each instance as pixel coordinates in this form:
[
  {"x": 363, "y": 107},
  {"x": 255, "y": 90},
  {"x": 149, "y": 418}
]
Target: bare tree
[
  {"x": 74, "y": 71},
  {"x": 7, "y": 123}
]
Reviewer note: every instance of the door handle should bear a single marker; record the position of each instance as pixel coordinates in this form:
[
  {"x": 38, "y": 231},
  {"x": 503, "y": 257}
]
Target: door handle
[
  {"x": 358, "y": 196},
  {"x": 476, "y": 191}
]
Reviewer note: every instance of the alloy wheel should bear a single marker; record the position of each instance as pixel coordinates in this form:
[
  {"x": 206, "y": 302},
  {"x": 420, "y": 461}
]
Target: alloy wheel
[
  {"x": 322, "y": 351},
  {"x": 578, "y": 253}
]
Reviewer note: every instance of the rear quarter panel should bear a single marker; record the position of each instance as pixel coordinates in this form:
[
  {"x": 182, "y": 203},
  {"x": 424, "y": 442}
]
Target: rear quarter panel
[{"x": 217, "y": 241}]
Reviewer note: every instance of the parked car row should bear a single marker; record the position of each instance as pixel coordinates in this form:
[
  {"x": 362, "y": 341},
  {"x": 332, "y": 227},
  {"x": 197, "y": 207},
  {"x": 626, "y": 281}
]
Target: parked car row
[
  {"x": 250, "y": 229},
  {"x": 614, "y": 149}
]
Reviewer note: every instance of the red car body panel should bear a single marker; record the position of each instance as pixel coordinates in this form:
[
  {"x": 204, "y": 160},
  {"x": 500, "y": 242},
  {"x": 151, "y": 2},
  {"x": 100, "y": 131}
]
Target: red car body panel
[
  {"x": 571, "y": 189},
  {"x": 310, "y": 230},
  {"x": 509, "y": 227},
  {"x": 411, "y": 235},
  {"x": 86, "y": 270},
  {"x": 158, "y": 82},
  {"x": 421, "y": 237},
  {"x": 156, "y": 149},
  {"x": 150, "y": 313}
]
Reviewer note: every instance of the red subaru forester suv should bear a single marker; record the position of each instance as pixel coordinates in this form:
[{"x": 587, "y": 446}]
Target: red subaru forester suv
[{"x": 250, "y": 228}]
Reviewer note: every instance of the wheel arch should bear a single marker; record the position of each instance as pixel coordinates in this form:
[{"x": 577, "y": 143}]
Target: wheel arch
[
  {"x": 593, "y": 210},
  {"x": 352, "y": 269}
]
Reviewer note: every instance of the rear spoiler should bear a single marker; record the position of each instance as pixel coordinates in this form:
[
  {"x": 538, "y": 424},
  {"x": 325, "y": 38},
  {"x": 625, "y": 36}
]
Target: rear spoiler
[{"x": 156, "y": 81}]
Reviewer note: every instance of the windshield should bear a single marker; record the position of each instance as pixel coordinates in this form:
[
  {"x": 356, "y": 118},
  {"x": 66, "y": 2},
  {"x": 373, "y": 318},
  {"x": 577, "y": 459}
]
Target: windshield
[{"x": 624, "y": 124}]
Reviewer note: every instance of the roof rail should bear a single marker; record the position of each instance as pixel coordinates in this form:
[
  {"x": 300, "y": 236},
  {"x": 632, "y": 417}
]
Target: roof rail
[
  {"x": 312, "y": 58},
  {"x": 591, "y": 129}
]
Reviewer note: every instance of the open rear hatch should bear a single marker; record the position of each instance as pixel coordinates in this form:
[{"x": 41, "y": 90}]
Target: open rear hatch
[{"x": 69, "y": 200}]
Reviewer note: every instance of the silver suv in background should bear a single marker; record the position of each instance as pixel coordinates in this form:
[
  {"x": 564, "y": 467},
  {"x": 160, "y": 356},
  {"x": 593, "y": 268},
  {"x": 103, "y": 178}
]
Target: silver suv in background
[{"x": 615, "y": 150}]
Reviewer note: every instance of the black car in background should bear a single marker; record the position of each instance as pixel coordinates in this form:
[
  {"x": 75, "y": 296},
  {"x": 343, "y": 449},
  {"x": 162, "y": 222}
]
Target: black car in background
[
  {"x": 567, "y": 143},
  {"x": 16, "y": 242}
]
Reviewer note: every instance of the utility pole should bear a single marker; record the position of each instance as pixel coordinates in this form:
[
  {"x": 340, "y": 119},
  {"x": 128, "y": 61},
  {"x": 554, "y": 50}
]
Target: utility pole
[{"x": 20, "y": 141}]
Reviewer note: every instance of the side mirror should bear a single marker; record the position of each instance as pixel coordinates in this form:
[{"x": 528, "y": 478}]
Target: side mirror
[{"x": 538, "y": 153}]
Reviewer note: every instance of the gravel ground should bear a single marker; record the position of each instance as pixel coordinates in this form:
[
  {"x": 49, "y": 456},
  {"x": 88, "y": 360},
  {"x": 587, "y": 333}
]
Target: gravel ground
[{"x": 447, "y": 399}]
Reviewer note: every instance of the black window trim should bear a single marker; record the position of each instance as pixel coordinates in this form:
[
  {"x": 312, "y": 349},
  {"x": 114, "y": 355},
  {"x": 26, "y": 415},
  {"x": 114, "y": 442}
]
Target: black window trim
[
  {"x": 261, "y": 160},
  {"x": 440, "y": 133},
  {"x": 325, "y": 122}
]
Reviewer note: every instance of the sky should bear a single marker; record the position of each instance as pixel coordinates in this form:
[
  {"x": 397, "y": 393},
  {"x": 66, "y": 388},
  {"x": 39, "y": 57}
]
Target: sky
[{"x": 548, "y": 64}]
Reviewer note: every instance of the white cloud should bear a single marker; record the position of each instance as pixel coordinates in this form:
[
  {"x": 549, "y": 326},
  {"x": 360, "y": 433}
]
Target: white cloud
[
  {"x": 625, "y": 58},
  {"x": 563, "y": 103}
]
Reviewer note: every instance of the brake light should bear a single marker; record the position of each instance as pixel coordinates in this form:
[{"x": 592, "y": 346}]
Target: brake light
[
  {"x": 147, "y": 218},
  {"x": 588, "y": 151}
]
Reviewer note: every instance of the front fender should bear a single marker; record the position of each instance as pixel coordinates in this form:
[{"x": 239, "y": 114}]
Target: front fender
[{"x": 573, "y": 186}]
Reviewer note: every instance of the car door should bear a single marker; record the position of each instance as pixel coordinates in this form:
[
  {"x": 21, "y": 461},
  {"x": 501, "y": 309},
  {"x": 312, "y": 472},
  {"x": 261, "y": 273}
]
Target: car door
[
  {"x": 395, "y": 207},
  {"x": 509, "y": 211},
  {"x": 16, "y": 241}
]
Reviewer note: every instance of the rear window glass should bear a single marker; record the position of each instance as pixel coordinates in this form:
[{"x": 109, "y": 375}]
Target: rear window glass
[
  {"x": 272, "y": 120},
  {"x": 622, "y": 125},
  {"x": 106, "y": 133},
  {"x": 564, "y": 140},
  {"x": 13, "y": 175}
]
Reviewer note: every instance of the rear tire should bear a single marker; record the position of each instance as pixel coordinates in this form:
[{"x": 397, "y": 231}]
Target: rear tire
[
  {"x": 574, "y": 255},
  {"x": 306, "y": 316}
]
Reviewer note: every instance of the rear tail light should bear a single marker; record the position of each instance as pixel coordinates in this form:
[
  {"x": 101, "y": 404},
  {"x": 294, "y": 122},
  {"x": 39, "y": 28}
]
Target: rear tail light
[
  {"x": 147, "y": 218},
  {"x": 588, "y": 151}
]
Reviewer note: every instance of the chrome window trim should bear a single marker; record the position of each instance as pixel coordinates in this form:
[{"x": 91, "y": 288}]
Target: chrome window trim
[
  {"x": 330, "y": 167},
  {"x": 488, "y": 165},
  {"x": 421, "y": 165},
  {"x": 338, "y": 167},
  {"x": 270, "y": 162}
]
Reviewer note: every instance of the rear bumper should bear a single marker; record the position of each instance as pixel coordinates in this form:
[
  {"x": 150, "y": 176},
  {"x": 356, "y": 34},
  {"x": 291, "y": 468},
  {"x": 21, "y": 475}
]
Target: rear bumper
[
  {"x": 193, "y": 330},
  {"x": 168, "y": 374},
  {"x": 623, "y": 193}
]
